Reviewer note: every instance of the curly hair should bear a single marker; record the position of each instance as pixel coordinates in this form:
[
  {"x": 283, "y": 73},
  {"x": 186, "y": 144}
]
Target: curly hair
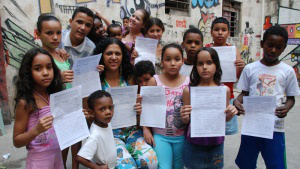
[
  {"x": 97, "y": 95},
  {"x": 276, "y": 30},
  {"x": 25, "y": 81},
  {"x": 143, "y": 67},
  {"x": 195, "y": 78},
  {"x": 114, "y": 25},
  {"x": 126, "y": 67}
]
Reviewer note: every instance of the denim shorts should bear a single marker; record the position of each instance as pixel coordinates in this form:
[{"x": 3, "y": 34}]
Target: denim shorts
[{"x": 199, "y": 157}]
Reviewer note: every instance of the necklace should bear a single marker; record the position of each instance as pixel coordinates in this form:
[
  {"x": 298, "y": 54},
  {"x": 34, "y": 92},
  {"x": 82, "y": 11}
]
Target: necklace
[{"x": 46, "y": 100}]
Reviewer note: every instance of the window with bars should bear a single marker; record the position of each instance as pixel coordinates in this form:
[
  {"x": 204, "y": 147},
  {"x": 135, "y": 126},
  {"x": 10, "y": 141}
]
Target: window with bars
[
  {"x": 231, "y": 11},
  {"x": 180, "y": 5}
]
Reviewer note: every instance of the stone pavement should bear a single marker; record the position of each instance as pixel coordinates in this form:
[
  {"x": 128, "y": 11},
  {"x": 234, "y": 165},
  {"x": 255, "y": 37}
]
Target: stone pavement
[{"x": 292, "y": 126}]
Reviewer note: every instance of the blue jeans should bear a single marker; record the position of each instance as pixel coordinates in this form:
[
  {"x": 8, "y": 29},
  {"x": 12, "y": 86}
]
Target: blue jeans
[
  {"x": 201, "y": 157},
  {"x": 232, "y": 125},
  {"x": 169, "y": 151}
]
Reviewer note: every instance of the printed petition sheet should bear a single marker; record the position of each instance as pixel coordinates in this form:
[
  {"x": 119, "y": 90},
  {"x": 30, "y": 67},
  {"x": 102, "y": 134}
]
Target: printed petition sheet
[
  {"x": 259, "y": 119},
  {"x": 227, "y": 56},
  {"x": 86, "y": 74},
  {"x": 146, "y": 48},
  {"x": 208, "y": 116},
  {"x": 69, "y": 122},
  {"x": 124, "y": 99},
  {"x": 154, "y": 106}
]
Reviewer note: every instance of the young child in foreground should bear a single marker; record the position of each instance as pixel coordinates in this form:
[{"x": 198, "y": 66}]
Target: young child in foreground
[
  {"x": 38, "y": 78},
  {"x": 268, "y": 77},
  {"x": 168, "y": 142},
  {"x": 100, "y": 146},
  {"x": 204, "y": 152}
]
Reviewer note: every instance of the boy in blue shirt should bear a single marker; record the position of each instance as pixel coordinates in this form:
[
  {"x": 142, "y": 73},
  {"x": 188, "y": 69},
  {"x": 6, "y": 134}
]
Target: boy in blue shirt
[{"x": 268, "y": 77}]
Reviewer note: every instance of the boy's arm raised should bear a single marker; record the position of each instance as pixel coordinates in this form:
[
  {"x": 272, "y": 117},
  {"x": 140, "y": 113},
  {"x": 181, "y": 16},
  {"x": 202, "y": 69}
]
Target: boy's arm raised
[{"x": 281, "y": 112}]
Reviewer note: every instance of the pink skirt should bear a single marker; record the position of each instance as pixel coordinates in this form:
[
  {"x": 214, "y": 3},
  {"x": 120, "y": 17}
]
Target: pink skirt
[{"x": 50, "y": 159}]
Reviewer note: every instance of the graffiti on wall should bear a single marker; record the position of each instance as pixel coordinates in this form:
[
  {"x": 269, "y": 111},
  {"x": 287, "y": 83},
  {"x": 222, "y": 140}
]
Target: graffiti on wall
[
  {"x": 245, "y": 41},
  {"x": 128, "y": 7},
  {"x": 16, "y": 42},
  {"x": 10, "y": 13},
  {"x": 205, "y": 3},
  {"x": 3, "y": 87},
  {"x": 204, "y": 24},
  {"x": 267, "y": 23},
  {"x": 294, "y": 56},
  {"x": 286, "y": 19},
  {"x": 19, "y": 8},
  {"x": 46, "y": 6},
  {"x": 180, "y": 24},
  {"x": 67, "y": 9}
]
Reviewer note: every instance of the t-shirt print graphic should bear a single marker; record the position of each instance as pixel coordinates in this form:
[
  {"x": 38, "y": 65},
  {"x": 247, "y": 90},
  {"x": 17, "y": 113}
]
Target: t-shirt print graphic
[{"x": 266, "y": 85}]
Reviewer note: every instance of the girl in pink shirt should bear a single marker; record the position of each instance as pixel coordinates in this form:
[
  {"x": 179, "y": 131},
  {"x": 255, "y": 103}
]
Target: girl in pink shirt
[
  {"x": 168, "y": 142},
  {"x": 38, "y": 78}
]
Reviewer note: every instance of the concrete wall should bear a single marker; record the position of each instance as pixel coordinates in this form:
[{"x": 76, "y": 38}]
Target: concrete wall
[{"x": 18, "y": 20}]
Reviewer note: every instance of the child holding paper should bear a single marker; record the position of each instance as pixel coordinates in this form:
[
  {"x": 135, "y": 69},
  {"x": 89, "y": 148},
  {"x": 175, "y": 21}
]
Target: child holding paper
[
  {"x": 38, "y": 78},
  {"x": 100, "y": 146},
  {"x": 154, "y": 29},
  {"x": 204, "y": 152},
  {"x": 169, "y": 141},
  {"x": 133, "y": 151},
  {"x": 143, "y": 71},
  {"x": 268, "y": 77},
  {"x": 220, "y": 32}
]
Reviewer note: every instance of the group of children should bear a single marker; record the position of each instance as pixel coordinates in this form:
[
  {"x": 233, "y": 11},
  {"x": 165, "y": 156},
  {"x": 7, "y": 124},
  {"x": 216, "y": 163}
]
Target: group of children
[{"x": 47, "y": 70}]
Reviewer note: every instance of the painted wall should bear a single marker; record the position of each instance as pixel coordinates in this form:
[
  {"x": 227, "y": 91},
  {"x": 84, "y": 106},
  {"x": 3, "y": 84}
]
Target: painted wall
[
  {"x": 286, "y": 13},
  {"x": 18, "y": 20}
]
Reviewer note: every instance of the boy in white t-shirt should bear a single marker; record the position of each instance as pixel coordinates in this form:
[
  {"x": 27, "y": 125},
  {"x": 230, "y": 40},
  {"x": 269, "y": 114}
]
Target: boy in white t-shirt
[
  {"x": 268, "y": 77},
  {"x": 100, "y": 146}
]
